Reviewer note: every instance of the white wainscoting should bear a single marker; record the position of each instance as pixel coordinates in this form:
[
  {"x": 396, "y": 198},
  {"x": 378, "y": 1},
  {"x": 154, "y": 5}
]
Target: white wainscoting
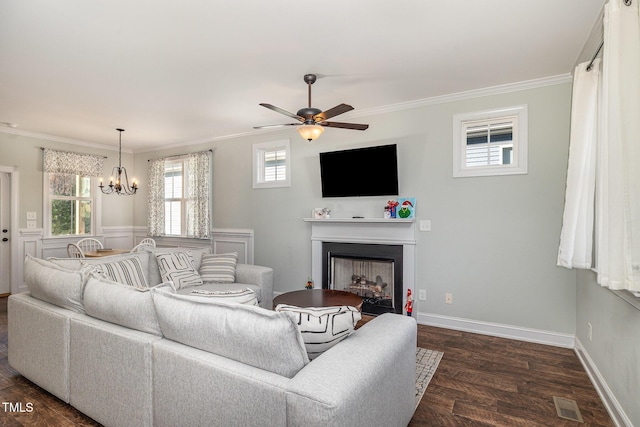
[{"x": 32, "y": 241}]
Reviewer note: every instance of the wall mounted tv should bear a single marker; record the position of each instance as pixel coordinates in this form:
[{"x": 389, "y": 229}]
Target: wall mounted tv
[{"x": 370, "y": 171}]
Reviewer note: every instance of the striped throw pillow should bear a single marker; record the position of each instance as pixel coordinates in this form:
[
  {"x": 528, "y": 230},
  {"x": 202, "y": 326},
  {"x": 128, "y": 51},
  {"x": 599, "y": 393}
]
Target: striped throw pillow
[
  {"x": 241, "y": 296},
  {"x": 219, "y": 268},
  {"x": 179, "y": 268},
  {"x": 127, "y": 271},
  {"x": 322, "y": 327}
]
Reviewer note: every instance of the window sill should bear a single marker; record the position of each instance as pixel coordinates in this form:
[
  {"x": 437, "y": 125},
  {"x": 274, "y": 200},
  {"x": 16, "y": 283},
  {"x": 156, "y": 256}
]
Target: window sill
[{"x": 628, "y": 297}]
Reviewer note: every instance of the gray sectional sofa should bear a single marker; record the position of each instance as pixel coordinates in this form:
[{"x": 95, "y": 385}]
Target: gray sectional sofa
[{"x": 135, "y": 357}]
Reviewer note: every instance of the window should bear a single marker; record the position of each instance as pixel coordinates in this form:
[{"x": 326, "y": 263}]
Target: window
[
  {"x": 70, "y": 205},
  {"x": 174, "y": 201},
  {"x": 179, "y": 200},
  {"x": 272, "y": 164},
  {"x": 490, "y": 142}
]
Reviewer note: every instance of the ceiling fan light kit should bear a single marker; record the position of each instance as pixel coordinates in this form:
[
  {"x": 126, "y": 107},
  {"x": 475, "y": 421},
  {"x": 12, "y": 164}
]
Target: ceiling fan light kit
[{"x": 314, "y": 120}]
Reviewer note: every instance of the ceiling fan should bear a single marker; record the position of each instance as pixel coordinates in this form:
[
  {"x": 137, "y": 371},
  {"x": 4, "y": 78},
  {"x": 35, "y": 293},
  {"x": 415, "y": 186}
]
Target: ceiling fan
[{"x": 312, "y": 121}]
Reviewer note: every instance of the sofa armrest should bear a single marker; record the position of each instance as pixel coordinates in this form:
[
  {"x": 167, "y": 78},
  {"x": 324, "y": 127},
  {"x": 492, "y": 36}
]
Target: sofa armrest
[
  {"x": 250, "y": 274},
  {"x": 367, "y": 379}
]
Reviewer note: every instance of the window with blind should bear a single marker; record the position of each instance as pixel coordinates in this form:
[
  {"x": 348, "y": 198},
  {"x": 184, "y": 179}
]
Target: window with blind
[
  {"x": 174, "y": 198},
  {"x": 272, "y": 164},
  {"x": 490, "y": 142}
]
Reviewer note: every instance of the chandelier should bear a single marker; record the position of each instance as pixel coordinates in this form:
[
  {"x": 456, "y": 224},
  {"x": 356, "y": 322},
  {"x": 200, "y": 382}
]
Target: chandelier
[{"x": 119, "y": 182}]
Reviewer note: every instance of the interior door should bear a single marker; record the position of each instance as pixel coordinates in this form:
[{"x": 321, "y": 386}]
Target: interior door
[{"x": 5, "y": 233}]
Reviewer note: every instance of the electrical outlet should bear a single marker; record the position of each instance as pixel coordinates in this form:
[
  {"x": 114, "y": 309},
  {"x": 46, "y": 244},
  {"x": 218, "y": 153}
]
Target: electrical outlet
[
  {"x": 448, "y": 299},
  {"x": 422, "y": 295},
  {"x": 425, "y": 225},
  {"x": 32, "y": 215},
  {"x": 589, "y": 331}
]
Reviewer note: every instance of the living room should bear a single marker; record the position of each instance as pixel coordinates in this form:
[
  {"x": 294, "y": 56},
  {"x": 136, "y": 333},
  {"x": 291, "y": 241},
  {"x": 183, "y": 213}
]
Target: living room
[{"x": 493, "y": 240}]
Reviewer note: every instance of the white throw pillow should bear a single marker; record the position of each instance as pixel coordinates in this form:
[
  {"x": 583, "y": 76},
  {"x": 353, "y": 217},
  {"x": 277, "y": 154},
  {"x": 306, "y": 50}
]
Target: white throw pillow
[
  {"x": 242, "y": 296},
  {"x": 127, "y": 271},
  {"x": 219, "y": 268},
  {"x": 179, "y": 268},
  {"x": 322, "y": 327}
]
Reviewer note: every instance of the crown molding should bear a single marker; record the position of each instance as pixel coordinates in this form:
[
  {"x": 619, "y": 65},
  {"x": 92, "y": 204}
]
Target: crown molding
[{"x": 63, "y": 140}]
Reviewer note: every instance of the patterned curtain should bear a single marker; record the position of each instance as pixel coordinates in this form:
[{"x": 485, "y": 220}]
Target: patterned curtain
[
  {"x": 198, "y": 220},
  {"x": 155, "y": 200},
  {"x": 72, "y": 163}
]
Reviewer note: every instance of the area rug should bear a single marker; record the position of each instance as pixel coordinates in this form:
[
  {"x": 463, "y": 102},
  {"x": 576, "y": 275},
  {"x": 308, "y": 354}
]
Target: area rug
[{"x": 427, "y": 362}]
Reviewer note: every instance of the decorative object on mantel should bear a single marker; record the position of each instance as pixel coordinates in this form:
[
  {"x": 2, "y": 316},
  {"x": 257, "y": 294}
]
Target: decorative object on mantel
[
  {"x": 407, "y": 208},
  {"x": 119, "y": 173},
  {"x": 321, "y": 213},
  {"x": 309, "y": 284},
  {"x": 391, "y": 208}
]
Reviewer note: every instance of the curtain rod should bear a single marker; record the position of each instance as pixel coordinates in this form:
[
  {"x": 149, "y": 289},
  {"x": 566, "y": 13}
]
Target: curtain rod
[
  {"x": 593, "y": 58},
  {"x": 74, "y": 152},
  {"x": 180, "y": 155}
]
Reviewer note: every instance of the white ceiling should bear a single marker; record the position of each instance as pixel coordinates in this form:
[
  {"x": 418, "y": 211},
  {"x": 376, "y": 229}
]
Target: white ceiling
[{"x": 176, "y": 72}]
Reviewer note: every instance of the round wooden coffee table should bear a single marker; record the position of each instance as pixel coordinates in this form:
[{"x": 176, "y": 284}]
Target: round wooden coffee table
[{"x": 318, "y": 298}]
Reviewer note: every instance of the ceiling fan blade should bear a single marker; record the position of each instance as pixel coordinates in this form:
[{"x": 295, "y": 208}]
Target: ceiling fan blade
[
  {"x": 281, "y": 111},
  {"x": 354, "y": 126},
  {"x": 332, "y": 112},
  {"x": 276, "y": 126}
]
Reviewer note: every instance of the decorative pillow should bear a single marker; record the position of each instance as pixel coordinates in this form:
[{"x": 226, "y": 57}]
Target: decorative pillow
[
  {"x": 252, "y": 335},
  {"x": 322, "y": 327},
  {"x": 127, "y": 271},
  {"x": 143, "y": 257},
  {"x": 179, "y": 268},
  {"x": 219, "y": 268},
  {"x": 154, "y": 274},
  {"x": 54, "y": 284},
  {"x": 242, "y": 296},
  {"x": 122, "y": 304}
]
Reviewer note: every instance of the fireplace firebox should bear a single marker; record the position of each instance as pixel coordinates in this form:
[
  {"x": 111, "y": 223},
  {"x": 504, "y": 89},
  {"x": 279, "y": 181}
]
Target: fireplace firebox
[{"x": 371, "y": 271}]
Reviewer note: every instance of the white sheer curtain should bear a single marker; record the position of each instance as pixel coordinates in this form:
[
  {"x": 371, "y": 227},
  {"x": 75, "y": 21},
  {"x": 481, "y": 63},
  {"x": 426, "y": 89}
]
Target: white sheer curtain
[
  {"x": 198, "y": 220},
  {"x": 617, "y": 187},
  {"x": 618, "y": 182},
  {"x": 576, "y": 238},
  {"x": 155, "y": 198}
]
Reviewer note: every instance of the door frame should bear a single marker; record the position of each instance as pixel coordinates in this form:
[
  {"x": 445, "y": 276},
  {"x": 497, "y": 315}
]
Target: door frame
[{"x": 13, "y": 171}]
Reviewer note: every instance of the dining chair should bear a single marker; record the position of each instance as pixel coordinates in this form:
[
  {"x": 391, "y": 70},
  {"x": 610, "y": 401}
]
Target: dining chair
[
  {"x": 144, "y": 243},
  {"x": 89, "y": 244},
  {"x": 74, "y": 251}
]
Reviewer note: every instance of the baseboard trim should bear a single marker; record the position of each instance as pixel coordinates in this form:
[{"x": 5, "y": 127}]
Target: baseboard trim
[
  {"x": 498, "y": 330},
  {"x": 617, "y": 414}
]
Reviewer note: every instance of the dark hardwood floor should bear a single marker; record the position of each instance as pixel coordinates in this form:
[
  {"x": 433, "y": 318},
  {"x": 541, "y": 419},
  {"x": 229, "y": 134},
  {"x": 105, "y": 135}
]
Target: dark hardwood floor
[{"x": 481, "y": 381}]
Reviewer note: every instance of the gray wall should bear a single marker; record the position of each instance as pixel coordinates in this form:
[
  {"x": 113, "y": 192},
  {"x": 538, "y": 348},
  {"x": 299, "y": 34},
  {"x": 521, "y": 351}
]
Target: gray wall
[
  {"x": 615, "y": 344},
  {"x": 494, "y": 239}
]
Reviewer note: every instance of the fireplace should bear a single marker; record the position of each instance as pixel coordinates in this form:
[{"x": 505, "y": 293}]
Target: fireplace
[
  {"x": 371, "y": 271},
  {"x": 368, "y": 247}
]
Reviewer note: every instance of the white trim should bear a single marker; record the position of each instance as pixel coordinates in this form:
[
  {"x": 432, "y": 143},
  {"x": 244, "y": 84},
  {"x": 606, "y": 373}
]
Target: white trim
[
  {"x": 233, "y": 240},
  {"x": 498, "y": 330},
  {"x": 616, "y": 412},
  {"x": 16, "y": 260}
]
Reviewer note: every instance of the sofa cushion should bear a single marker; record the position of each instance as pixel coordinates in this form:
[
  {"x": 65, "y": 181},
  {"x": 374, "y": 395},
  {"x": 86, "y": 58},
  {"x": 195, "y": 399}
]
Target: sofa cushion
[
  {"x": 154, "y": 272},
  {"x": 240, "y": 296},
  {"x": 123, "y": 305},
  {"x": 178, "y": 267},
  {"x": 54, "y": 284},
  {"x": 219, "y": 268},
  {"x": 224, "y": 287},
  {"x": 252, "y": 335},
  {"x": 127, "y": 271},
  {"x": 322, "y": 327}
]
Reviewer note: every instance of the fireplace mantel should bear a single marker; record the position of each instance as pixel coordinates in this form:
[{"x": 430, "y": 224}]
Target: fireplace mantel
[{"x": 364, "y": 230}]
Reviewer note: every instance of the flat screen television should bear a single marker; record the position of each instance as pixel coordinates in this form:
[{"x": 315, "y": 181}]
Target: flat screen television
[{"x": 370, "y": 171}]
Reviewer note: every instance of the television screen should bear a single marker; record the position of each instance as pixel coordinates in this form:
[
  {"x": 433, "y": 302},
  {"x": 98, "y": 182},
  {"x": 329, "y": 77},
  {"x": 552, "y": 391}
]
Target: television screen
[{"x": 370, "y": 171}]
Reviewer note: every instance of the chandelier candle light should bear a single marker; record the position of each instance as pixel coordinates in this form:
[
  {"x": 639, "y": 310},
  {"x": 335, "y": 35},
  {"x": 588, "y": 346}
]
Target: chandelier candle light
[{"x": 121, "y": 184}]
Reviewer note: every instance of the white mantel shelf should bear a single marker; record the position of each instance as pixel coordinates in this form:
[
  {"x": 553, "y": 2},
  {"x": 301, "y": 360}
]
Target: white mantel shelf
[{"x": 364, "y": 220}]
